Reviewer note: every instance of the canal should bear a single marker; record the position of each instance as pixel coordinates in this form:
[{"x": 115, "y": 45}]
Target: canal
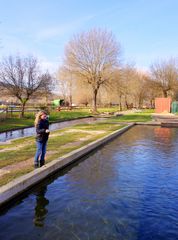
[{"x": 125, "y": 190}]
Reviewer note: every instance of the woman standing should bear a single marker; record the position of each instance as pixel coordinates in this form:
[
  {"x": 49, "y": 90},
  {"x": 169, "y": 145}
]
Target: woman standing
[{"x": 42, "y": 134}]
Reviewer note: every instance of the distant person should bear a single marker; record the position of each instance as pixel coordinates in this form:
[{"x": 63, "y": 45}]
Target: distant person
[{"x": 42, "y": 134}]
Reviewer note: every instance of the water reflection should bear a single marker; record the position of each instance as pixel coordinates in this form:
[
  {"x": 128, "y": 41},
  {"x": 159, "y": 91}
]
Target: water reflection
[
  {"x": 163, "y": 133},
  {"x": 164, "y": 141},
  {"x": 22, "y": 132},
  {"x": 41, "y": 207}
]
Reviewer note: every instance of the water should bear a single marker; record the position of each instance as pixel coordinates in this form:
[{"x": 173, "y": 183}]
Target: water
[
  {"x": 127, "y": 189},
  {"x": 31, "y": 131}
]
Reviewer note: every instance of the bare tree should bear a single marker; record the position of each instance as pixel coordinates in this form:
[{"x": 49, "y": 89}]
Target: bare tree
[
  {"x": 21, "y": 77},
  {"x": 66, "y": 77},
  {"x": 140, "y": 89},
  {"x": 92, "y": 56},
  {"x": 82, "y": 94},
  {"x": 127, "y": 77},
  {"x": 165, "y": 75},
  {"x": 116, "y": 90},
  {"x": 47, "y": 85},
  {"x": 153, "y": 91}
]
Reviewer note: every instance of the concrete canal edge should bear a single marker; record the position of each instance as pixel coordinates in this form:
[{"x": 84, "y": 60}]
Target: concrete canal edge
[{"x": 23, "y": 183}]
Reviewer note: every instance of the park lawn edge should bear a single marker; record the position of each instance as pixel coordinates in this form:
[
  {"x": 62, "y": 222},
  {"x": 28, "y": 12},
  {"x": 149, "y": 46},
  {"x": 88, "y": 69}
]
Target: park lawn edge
[{"x": 11, "y": 176}]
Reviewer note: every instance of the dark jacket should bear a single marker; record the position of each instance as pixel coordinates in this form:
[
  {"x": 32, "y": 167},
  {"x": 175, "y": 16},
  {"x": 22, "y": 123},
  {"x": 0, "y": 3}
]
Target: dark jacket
[{"x": 41, "y": 134}]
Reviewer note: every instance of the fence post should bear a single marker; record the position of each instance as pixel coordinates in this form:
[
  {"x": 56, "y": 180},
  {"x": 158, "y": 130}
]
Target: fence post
[
  {"x": 11, "y": 110},
  {"x": 6, "y": 112}
]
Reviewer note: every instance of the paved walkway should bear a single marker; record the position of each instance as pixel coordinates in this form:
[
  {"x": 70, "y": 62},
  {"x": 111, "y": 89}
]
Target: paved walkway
[{"x": 169, "y": 119}]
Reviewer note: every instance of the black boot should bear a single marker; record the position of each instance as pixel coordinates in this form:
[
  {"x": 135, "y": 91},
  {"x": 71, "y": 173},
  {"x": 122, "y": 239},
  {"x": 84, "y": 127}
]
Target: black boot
[
  {"x": 36, "y": 165},
  {"x": 42, "y": 163}
]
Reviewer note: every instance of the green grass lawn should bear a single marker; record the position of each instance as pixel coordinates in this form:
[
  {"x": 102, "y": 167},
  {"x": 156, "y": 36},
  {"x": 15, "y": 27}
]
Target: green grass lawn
[
  {"x": 136, "y": 117},
  {"x": 15, "y": 122},
  {"x": 60, "y": 143}
]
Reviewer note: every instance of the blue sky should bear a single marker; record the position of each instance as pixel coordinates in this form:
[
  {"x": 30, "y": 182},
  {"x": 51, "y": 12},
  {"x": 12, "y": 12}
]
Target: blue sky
[{"x": 146, "y": 29}]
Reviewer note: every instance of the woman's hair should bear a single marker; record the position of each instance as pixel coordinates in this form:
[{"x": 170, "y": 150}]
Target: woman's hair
[{"x": 38, "y": 117}]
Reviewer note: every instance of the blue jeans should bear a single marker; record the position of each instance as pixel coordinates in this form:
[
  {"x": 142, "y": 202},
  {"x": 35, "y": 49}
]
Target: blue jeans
[{"x": 40, "y": 152}]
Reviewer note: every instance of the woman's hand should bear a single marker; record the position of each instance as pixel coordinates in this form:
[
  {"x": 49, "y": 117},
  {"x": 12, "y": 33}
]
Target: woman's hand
[{"x": 47, "y": 131}]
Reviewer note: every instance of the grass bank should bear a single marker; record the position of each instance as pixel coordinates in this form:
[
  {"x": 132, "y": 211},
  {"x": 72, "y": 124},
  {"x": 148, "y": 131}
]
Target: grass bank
[
  {"x": 60, "y": 142},
  {"x": 15, "y": 122},
  {"x": 134, "y": 117}
]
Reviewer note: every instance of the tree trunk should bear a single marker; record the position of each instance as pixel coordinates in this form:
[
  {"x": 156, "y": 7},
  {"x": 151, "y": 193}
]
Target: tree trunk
[
  {"x": 23, "y": 103},
  {"x": 120, "y": 103},
  {"x": 46, "y": 99},
  {"x": 22, "y": 110},
  {"x": 165, "y": 93},
  {"x": 126, "y": 103},
  {"x": 94, "y": 110},
  {"x": 70, "y": 101},
  {"x": 140, "y": 102}
]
